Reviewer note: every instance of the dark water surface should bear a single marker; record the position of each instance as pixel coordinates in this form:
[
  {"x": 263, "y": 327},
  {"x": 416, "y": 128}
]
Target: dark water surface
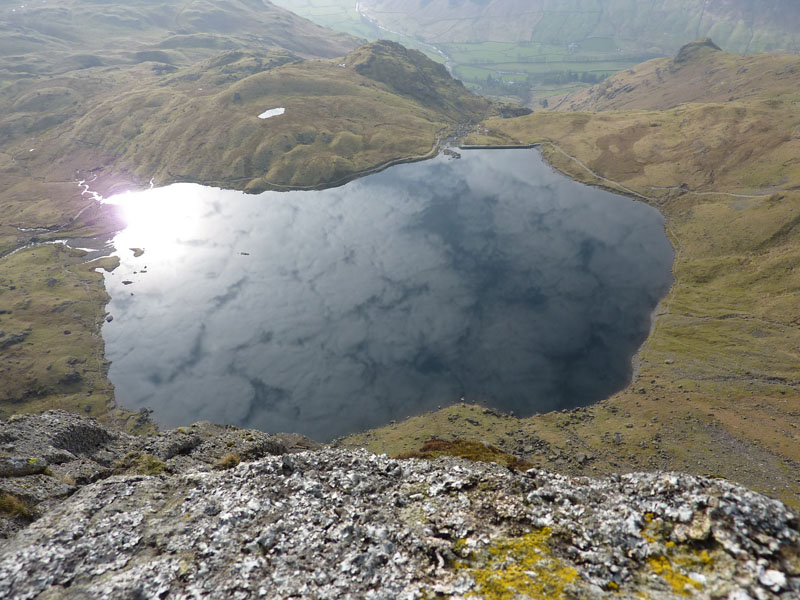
[{"x": 490, "y": 277}]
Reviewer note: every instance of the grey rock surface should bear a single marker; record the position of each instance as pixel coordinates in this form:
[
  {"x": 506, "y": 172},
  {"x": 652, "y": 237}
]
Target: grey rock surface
[
  {"x": 334, "y": 523},
  {"x": 47, "y": 457}
]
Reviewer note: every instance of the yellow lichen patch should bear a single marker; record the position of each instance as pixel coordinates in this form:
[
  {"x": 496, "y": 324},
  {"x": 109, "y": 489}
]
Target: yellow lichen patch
[
  {"x": 679, "y": 582},
  {"x": 461, "y": 548},
  {"x": 678, "y": 561},
  {"x": 522, "y": 566},
  {"x": 652, "y": 530}
]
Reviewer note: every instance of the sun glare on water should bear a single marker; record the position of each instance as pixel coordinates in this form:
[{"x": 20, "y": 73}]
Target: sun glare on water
[{"x": 160, "y": 219}]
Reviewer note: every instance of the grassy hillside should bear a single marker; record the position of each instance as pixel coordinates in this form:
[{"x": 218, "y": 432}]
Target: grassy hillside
[
  {"x": 716, "y": 389},
  {"x": 699, "y": 73},
  {"x": 38, "y": 38},
  {"x": 57, "y": 60},
  {"x": 342, "y": 117},
  {"x": 533, "y": 50},
  {"x": 172, "y": 92}
]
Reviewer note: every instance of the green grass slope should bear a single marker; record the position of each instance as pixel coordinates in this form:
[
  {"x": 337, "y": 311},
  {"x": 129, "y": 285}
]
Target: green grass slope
[
  {"x": 49, "y": 38},
  {"x": 58, "y": 59},
  {"x": 343, "y": 117}
]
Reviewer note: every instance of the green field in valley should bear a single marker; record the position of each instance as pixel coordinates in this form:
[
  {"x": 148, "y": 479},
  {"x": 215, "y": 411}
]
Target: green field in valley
[{"x": 533, "y": 72}]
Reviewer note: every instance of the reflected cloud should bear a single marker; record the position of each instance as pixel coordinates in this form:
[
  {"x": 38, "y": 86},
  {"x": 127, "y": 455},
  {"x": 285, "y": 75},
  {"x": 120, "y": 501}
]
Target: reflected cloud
[{"x": 491, "y": 277}]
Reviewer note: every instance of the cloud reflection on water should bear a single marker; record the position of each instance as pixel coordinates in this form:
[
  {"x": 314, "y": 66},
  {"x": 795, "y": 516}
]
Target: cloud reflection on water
[{"x": 326, "y": 312}]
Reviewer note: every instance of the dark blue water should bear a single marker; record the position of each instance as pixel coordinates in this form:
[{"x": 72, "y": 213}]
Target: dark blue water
[{"x": 491, "y": 278}]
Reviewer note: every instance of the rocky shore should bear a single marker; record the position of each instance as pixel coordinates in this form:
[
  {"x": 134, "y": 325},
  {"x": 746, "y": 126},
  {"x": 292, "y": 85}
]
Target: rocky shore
[{"x": 213, "y": 512}]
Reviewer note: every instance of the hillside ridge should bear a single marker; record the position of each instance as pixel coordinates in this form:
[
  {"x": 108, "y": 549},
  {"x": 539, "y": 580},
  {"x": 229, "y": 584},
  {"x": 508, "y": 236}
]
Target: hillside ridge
[
  {"x": 409, "y": 72},
  {"x": 700, "y": 72}
]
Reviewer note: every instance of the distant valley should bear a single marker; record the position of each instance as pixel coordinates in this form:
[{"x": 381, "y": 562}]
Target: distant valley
[{"x": 534, "y": 50}]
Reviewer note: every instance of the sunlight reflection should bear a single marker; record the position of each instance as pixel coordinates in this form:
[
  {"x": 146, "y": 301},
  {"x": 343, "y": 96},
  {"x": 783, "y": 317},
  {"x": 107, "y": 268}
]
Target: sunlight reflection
[{"x": 160, "y": 219}]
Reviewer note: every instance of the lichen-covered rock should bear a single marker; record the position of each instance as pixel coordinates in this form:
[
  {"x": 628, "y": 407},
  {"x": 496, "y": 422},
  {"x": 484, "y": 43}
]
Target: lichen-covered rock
[
  {"x": 334, "y": 523},
  {"x": 17, "y": 466},
  {"x": 47, "y": 457}
]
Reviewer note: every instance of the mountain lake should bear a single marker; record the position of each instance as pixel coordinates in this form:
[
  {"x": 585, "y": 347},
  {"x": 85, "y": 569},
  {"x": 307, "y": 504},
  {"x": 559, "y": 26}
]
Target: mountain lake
[{"x": 490, "y": 278}]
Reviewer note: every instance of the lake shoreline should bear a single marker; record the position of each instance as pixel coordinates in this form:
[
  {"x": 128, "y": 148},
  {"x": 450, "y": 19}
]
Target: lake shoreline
[
  {"x": 533, "y": 193},
  {"x": 122, "y": 180}
]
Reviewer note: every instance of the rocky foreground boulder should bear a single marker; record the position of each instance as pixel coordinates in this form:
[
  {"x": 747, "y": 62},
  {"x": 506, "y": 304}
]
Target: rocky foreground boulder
[
  {"x": 331, "y": 523},
  {"x": 47, "y": 457}
]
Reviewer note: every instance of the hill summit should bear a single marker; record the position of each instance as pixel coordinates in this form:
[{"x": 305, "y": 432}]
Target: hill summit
[
  {"x": 696, "y": 49},
  {"x": 700, "y": 72},
  {"x": 410, "y": 73}
]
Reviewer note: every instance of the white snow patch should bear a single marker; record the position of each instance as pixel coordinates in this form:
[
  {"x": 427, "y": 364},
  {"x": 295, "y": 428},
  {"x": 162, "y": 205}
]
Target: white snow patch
[{"x": 272, "y": 112}]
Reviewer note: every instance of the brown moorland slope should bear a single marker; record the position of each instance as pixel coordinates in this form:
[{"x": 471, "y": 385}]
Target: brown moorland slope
[
  {"x": 700, "y": 72},
  {"x": 716, "y": 389},
  {"x": 41, "y": 38}
]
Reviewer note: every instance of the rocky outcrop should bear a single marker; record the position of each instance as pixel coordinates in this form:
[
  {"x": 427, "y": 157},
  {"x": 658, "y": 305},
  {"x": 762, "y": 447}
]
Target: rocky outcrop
[
  {"x": 694, "y": 50},
  {"x": 348, "y": 524},
  {"x": 410, "y": 73},
  {"x": 511, "y": 112},
  {"x": 48, "y": 457}
]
